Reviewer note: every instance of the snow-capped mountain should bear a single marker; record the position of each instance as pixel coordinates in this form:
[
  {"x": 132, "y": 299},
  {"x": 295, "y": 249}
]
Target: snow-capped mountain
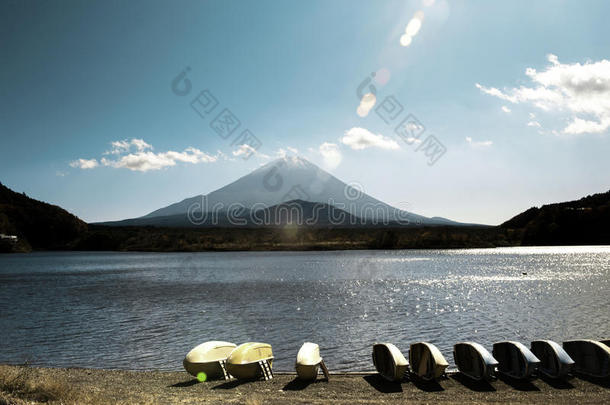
[{"x": 287, "y": 179}]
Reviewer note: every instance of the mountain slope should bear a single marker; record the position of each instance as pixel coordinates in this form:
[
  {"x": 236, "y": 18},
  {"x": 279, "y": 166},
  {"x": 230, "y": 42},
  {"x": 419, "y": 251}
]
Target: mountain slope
[
  {"x": 37, "y": 224},
  {"x": 293, "y": 178},
  {"x": 583, "y": 221}
]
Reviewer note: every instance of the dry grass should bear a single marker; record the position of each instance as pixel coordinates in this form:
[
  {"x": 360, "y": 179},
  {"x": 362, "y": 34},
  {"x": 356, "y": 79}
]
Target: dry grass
[{"x": 26, "y": 383}]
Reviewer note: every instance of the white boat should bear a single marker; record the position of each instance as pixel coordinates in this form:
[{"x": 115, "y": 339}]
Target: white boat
[
  {"x": 554, "y": 361},
  {"x": 251, "y": 360},
  {"x": 209, "y": 358},
  {"x": 309, "y": 362},
  {"x": 426, "y": 361},
  {"x": 389, "y": 361},
  {"x": 516, "y": 360},
  {"x": 591, "y": 357},
  {"x": 474, "y": 361}
]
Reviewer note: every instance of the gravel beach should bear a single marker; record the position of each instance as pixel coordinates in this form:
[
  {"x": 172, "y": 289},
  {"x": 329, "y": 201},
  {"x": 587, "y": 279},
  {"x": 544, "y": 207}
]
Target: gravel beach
[{"x": 29, "y": 385}]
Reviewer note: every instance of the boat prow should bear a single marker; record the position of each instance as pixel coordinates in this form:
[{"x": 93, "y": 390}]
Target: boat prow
[
  {"x": 309, "y": 362},
  {"x": 554, "y": 361},
  {"x": 250, "y": 361},
  {"x": 591, "y": 357},
  {"x": 427, "y": 362},
  {"x": 208, "y": 358},
  {"x": 474, "y": 361},
  {"x": 389, "y": 361},
  {"x": 516, "y": 360}
]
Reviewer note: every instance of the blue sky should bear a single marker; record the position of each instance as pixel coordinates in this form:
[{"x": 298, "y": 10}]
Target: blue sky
[{"x": 518, "y": 93}]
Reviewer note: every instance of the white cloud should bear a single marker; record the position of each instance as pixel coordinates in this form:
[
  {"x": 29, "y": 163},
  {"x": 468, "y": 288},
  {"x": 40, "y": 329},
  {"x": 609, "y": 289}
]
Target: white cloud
[
  {"x": 361, "y": 138},
  {"x": 506, "y": 109},
  {"x": 534, "y": 124},
  {"x": 582, "y": 91},
  {"x": 85, "y": 163},
  {"x": 137, "y": 155},
  {"x": 479, "y": 144},
  {"x": 331, "y": 154},
  {"x": 366, "y": 104}
]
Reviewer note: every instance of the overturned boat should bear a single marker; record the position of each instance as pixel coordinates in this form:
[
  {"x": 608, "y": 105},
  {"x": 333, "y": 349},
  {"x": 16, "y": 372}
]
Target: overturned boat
[
  {"x": 474, "y": 361},
  {"x": 554, "y": 361},
  {"x": 426, "y": 361},
  {"x": 515, "y": 360},
  {"x": 209, "y": 358},
  {"x": 389, "y": 361},
  {"x": 309, "y": 362},
  {"x": 250, "y": 361},
  {"x": 591, "y": 357}
]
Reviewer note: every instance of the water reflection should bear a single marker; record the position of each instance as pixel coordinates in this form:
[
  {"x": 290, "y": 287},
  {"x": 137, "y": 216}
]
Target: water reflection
[{"x": 145, "y": 311}]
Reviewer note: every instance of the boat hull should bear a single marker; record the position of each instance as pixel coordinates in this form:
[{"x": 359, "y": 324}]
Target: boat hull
[
  {"x": 591, "y": 358},
  {"x": 244, "y": 362},
  {"x": 515, "y": 360},
  {"x": 554, "y": 361},
  {"x": 207, "y": 358},
  {"x": 308, "y": 361},
  {"x": 389, "y": 361},
  {"x": 474, "y": 361},
  {"x": 426, "y": 361}
]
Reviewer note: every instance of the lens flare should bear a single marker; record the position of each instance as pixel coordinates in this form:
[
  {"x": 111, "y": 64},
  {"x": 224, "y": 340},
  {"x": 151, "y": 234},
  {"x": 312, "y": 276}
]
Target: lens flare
[{"x": 201, "y": 376}]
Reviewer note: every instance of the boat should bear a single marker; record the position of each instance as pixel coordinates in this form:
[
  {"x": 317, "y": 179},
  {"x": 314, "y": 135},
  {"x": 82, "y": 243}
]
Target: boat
[
  {"x": 554, "y": 361},
  {"x": 474, "y": 361},
  {"x": 591, "y": 357},
  {"x": 309, "y": 362},
  {"x": 250, "y": 361},
  {"x": 426, "y": 361},
  {"x": 389, "y": 361},
  {"x": 209, "y": 358},
  {"x": 515, "y": 360}
]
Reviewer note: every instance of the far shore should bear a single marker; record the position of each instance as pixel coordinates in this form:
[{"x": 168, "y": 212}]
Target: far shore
[{"x": 32, "y": 385}]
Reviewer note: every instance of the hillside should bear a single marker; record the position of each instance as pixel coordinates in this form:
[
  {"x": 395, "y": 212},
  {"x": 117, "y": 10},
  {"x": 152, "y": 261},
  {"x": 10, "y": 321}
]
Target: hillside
[
  {"x": 37, "y": 225},
  {"x": 584, "y": 221}
]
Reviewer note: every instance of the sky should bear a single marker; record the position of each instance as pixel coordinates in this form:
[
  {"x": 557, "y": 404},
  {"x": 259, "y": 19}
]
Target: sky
[{"x": 469, "y": 110}]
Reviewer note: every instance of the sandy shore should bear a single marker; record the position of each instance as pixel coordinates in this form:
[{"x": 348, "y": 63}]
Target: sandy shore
[{"x": 29, "y": 385}]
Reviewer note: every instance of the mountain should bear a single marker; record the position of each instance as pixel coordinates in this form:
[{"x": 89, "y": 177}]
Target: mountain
[
  {"x": 583, "y": 221},
  {"x": 36, "y": 224},
  {"x": 285, "y": 179}
]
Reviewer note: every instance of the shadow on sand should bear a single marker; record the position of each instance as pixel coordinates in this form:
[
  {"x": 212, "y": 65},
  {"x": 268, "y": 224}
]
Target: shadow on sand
[
  {"x": 382, "y": 385},
  {"x": 185, "y": 384},
  {"x": 519, "y": 385},
  {"x": 602, "y": 382},
  {"x": 557, "y": 383},
  {"x": 428, "y": 386},
  {"x": 234, "y": 384},
  {"x": 473, "y": 385},
  {"x": 297, "y": 384}
]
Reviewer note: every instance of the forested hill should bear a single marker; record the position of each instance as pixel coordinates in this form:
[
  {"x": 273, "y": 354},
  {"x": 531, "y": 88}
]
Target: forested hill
[
  {"x": 37, "y": 225},
  {"x": 582, "y": 222}
]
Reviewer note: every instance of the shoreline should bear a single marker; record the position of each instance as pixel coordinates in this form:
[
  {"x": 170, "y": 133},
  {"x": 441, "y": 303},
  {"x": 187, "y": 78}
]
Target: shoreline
[{"x": 35, "y": 385}]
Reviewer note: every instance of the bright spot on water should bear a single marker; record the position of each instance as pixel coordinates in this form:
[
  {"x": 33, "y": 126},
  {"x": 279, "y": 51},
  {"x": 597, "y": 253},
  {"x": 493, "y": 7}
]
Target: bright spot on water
[{"x": 201, "y": 376}]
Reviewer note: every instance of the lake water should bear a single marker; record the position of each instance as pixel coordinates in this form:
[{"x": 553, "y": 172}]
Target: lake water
[{"x": 147, "y": 310}]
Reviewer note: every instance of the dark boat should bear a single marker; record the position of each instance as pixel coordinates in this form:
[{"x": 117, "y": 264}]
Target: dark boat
[
  {"x": 554, "y": 361},
  {"x": 516, "y": 360},
  {"x": 474, "y": 361},
  {"x": 389, "y": 361},
  {"x": 426, "y": 361},
  {"x": 591, "y": 357}
]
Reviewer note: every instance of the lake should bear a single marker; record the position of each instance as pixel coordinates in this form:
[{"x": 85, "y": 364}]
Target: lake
[{"x": 145, "y": 311}]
